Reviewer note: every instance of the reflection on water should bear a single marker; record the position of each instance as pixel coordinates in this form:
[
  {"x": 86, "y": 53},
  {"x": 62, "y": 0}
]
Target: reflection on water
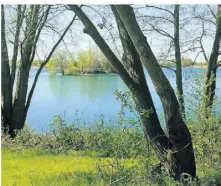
[
  {"x": 89, "y": 86},
  {"x": 91, "y": 94}
]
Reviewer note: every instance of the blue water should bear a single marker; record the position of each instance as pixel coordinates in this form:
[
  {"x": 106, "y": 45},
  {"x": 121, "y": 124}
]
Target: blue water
[{"x": 89, "y": 96}]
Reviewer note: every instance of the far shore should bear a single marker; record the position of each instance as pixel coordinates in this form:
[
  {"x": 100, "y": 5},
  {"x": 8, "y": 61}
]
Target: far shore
[
  {"x": 196, "y": 66},
  {"x": 112, "y": 74}
]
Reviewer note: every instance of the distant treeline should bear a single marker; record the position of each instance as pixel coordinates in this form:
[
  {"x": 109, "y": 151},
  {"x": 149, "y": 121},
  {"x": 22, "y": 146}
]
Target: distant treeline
[
  {"x": 90, "y": 61},
  {"x": 185, "y": 63}
]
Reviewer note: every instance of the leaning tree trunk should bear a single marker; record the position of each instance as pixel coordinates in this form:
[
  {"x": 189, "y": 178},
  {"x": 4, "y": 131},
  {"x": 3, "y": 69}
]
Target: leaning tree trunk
[
  {"x": 132, "y": 74},
  {"x": 181, "y": 156},
  {"x": 141, "y": 94},
  {"x": 210, "y": 83},
  {"x": 179, "y": 83}
]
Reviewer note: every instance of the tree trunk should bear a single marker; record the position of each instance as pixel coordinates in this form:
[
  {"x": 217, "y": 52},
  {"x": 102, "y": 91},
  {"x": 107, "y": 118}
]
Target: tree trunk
[
  {"x": 179, "y": 83},
  {"x": 181, "y": 156},
  {"x": 62, "y": 72},
  {"x": 20, "y": 17},
  {"x": 6, "y": 79},
  {"x": 18, "y": 119},
  {"x": 210, "y": 84},
  {"x": 132, "y": 74},
  {"x": 15, "y": 115},
  {"x": 141, "y": 94},
  {"x": 18, "y": 113}
]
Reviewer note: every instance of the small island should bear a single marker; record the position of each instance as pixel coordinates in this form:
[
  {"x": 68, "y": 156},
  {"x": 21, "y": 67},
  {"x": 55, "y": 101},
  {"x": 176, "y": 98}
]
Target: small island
[{"x": 84, "y": 62}]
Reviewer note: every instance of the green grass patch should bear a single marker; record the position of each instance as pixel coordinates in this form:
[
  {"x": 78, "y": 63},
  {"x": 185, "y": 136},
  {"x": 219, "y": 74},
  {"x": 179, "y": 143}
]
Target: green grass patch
[{"x": 21, "y": 167}]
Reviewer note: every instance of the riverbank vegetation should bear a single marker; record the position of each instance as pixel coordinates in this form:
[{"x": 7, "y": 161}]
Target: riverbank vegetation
[
  {"x": 102, "y": 155},
  {"x": 107, "y": 153},
  {"x": 179, "y": 150}
]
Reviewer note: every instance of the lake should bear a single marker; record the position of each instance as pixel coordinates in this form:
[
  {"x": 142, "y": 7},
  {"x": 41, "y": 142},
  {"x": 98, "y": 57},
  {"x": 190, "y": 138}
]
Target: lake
[{"x": 89, "y": 96}]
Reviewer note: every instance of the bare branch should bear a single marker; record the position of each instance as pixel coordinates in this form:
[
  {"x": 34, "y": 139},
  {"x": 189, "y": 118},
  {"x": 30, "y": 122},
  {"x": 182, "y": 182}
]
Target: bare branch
[
  {"x": 148, "y": 6},
  {"x": 218, "y": 64},
  {"x": 20, "y": 18},
  {"x": 201, "y": 44},
  {"x": 45, "y": 16},
  {"x": 160, "y": 31},
  {"x": 44, "y": 63},
  {"x": 163, "y": 66},
  {"x": 211, "y": 11},
  {"x": 156, "y": 17}
]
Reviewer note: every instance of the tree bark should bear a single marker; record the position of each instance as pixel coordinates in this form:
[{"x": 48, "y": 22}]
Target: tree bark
[
  {"x": 210, "y": 83},
  {"x": 91, "y": 30},
  {"x": 132, "y": 74},
  {"x": 179, "y": 83},
  {"x": 141, "y": 94},
  {"x": 18, "y": 114},
  {"x": 20, "y": 17},
  {"x": 181, "y": 156},
  {"x": 6, "y": 79},
  {"x": 15, "y": 111},
  {"x": 20, "y": 99}
]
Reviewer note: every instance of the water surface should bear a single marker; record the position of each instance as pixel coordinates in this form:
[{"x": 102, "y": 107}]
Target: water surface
[{"x": 89, "y": 95}]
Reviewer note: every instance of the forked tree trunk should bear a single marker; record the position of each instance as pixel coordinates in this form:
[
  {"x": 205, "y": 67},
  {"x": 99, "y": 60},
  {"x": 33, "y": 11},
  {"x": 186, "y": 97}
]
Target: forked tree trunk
[
  {"x": 131, "y": 72},
  {"x": 181, "y": 156},
  {"x": 15, "y": 111},
  {"x": 141, "y": 94},
  {"x": 18, "y": 119},
  {"x": 181, "y": 160},
  {"x": 18, "y": 113}
]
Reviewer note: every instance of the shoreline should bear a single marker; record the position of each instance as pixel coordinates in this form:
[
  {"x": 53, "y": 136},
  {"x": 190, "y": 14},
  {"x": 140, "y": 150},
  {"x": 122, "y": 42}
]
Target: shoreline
[{"x": 195, "y": 66}]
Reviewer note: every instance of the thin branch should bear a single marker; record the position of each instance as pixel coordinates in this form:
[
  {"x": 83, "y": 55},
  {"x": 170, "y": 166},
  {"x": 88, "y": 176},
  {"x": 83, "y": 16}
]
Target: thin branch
[
  {"x": 44, "y": 63},
  {"x": 201, "y": 44},
  {"x": 20, "y": 18},
  {"x": 167, "y": 68},
  {"x": 148, "y": 6},
  {"x": 211, "y": 11},
  {"x": 162, "y": 32},
  {"x": 218, "y": 64},
  {"x": 155, "y": 17},
  {"x": 45, "y": 15}
]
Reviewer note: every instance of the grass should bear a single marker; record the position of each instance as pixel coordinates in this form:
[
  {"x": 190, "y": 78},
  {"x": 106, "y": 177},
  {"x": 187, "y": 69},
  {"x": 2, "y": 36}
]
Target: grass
[
  {"x": 69, "y": 156},
  {"x": 40, "y": 167},
  {"x": 25, "y": 167}
]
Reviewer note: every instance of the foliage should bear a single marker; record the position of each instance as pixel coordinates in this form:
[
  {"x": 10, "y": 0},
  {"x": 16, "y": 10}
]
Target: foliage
[
  {"x": 114, "y": 154},
  {"x": 36, "y": 63},
  {"x": 187, "y": 62},
  {"x": 86, "y": 61}
]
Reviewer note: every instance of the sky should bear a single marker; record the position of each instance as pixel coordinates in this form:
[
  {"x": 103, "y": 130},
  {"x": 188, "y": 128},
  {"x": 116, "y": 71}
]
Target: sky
[{"x": 76, "y": 40}]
